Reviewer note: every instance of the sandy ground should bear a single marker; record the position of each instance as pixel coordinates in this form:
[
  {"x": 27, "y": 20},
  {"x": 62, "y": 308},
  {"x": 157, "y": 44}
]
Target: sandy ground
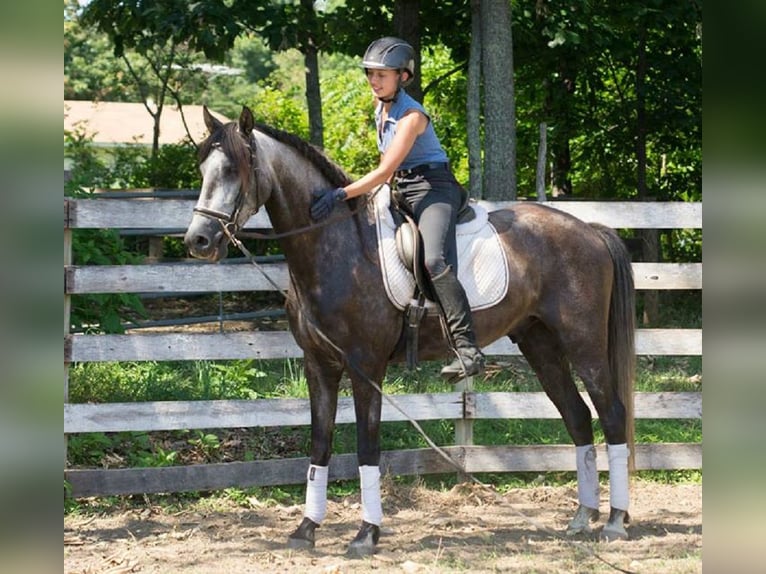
[{"x": 467, "y": 529}]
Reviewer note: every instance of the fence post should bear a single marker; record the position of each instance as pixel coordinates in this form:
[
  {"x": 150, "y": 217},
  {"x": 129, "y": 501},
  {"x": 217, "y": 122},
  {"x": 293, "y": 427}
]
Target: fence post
[
  {"x": 464, "y": 426},
  {"x": 67, "y": 303}
]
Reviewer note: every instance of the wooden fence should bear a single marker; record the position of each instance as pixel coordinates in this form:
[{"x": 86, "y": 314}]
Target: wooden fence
[{"x": 463, "y": 405}]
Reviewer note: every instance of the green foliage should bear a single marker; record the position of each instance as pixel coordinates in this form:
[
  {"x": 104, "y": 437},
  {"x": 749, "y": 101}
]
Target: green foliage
[
  {"x": 98, "y": 312},
  {"x": 278, "y": 109},
  {"x": 348, "y": 112},
  {"x": 160, "y": 381},
  {"x": 174, "y": 167}
]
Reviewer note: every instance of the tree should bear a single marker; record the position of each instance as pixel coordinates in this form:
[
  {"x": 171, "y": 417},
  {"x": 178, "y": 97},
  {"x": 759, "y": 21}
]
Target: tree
[
  {"x": 164, "y": 36},
  {"x": 499, "y": 103},
  {"x": 473, "y": 106}
]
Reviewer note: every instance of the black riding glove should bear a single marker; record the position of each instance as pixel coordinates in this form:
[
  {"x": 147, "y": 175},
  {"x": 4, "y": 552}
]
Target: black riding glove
[{"x": 324, "y": 201}]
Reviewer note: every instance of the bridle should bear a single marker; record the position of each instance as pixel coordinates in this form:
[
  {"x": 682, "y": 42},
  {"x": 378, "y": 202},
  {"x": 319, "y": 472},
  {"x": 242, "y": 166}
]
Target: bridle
[{"x": 228, "y": 222}]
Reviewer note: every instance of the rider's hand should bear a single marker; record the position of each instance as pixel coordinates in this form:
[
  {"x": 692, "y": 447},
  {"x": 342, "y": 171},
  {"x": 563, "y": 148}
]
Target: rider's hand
[{"x": 324, "y": 201}]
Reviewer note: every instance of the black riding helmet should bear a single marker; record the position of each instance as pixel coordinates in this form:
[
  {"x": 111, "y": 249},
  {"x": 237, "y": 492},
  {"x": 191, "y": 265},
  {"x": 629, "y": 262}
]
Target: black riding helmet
[{"x": 390, "y": 53}]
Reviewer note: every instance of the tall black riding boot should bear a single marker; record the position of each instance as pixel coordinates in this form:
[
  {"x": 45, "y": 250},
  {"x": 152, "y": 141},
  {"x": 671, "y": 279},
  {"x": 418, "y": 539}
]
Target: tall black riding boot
[{"x": 457, "y": 315}]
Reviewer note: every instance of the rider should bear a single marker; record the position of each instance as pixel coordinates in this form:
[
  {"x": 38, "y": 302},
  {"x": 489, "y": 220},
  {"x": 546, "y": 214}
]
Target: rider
[{"x": 412, "y": 156}]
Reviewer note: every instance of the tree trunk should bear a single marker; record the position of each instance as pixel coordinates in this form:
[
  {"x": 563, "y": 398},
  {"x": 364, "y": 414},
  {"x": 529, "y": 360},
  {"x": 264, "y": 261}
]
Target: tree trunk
[
  {"x": 473, "y": 108},
  {"x": 406, "y": 23},
  {"x": 314, "y": 95},
  {"x": 499, "y": 103},
  {"x": 560, "y": 105},
  {"x": 313, "y": 91},
  {"x": 542, "y": 152},
  {"x": 650, "y": 243}
]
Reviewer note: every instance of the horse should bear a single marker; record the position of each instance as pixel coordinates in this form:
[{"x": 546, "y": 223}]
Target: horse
[{"x": 570, "y": 307}]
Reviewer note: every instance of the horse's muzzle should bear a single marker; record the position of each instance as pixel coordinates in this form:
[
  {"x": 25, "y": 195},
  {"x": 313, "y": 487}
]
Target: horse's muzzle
[{"x": 205, "y": 241}]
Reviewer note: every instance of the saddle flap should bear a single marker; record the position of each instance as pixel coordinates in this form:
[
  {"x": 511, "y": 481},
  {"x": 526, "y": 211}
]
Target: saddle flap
[{"x": 409, "y": 246}]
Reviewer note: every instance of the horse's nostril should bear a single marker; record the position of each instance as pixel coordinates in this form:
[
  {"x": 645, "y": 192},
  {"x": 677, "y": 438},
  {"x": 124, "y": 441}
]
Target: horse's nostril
[{"x": 197, "y": 243}]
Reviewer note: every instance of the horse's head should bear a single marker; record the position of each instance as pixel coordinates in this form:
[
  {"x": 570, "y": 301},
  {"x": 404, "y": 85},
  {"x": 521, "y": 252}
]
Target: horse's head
[{"x": 232, "y": 190}]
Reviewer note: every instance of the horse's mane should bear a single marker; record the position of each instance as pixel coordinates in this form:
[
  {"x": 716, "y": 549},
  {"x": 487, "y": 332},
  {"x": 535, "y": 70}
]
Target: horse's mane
[
  {"x": 324, "y": 164},
  {"x": 232, "y": 144}
]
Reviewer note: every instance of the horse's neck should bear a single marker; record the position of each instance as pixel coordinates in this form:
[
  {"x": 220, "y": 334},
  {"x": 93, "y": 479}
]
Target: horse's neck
[
  {"x": 288, "y": 208},
  {"x": 292, "y": 178}
]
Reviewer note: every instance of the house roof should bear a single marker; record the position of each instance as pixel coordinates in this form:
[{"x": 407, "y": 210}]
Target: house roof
[{"x": 115, "y": 123}]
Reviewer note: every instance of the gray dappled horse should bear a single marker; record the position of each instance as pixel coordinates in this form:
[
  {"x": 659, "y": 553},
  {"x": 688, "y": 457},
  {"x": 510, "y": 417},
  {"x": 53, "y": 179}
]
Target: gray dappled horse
[{"x": 570, "y": 305}]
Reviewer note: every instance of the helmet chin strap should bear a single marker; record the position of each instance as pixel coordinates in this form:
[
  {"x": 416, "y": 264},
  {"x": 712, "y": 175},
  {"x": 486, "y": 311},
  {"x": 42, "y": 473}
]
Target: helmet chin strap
[{"x": 394, "y": 97}]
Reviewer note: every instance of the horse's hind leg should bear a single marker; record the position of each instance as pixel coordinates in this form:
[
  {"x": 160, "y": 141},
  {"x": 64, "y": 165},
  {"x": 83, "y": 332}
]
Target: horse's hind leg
[
  {"x": 323, "y": 379},
  {"x": 546, "y": 357},
  {"x": 592, "y": 365}
]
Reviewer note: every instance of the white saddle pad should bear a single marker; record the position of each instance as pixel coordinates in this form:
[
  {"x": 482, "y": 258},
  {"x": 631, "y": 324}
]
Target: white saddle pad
[{"x": 482, "y": 268}]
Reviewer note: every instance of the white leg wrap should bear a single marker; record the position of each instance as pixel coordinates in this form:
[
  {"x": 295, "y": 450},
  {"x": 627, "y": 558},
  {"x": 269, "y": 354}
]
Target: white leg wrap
[
  {"x": 369, "y": 478},
  {"x": 618, "y": 475},
  {"x": 316, "y": 493},
  {"x": 587, "y": 476}
]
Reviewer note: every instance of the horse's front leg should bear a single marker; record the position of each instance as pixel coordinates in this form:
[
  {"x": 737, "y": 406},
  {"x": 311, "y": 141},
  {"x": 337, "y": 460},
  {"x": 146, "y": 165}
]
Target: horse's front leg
[
  {"x": 322, "y": 377},
  {"x": 367, "y": 406}
]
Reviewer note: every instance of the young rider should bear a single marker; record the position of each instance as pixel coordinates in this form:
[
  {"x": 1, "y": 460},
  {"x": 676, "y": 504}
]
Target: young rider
[{"x": 412, "y": 154}]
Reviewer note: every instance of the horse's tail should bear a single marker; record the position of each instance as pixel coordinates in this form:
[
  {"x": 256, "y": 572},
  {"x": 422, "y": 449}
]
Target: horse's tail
[{"x": 622, "y": 324}]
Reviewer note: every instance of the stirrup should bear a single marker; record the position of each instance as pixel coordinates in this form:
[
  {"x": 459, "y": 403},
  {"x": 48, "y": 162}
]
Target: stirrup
[{"x": 467, "y": 365}]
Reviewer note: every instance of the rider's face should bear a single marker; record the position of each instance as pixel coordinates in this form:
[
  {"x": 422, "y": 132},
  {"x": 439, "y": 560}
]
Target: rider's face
[{"x": 383, "y": 82}]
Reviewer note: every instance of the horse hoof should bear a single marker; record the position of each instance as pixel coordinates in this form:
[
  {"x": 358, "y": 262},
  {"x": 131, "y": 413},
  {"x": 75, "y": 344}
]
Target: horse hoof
[
  {"x": 580, "y": 523},
  {"x": 614, "y": 529},
  {"x": 304, "y": 537},
  {"x": 365, "y": 541}
]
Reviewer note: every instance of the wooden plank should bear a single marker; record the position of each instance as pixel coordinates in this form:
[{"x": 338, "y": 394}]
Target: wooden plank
[
  {"x": 177, "y": 213},
  {"x": 100, "y": 482},
  {"x": 648, "y": 342},
  {"x": 176, "y": 278},
  {"x": 537, "y": 458},
  {"x": 201, "y": 277},
  {"x": 667, "y": 275},
  {"x": 174, "y": 415},
  {"x": 516, "y": 405},
  {"x": 669, "y": 342},
  {"x": 554, "y": 458},
  {"x": 142, "y": 213},
  {"x": 281, "y": 345},
  {"x": 183, "y": 346},
  {"x": 628, "y": 214}
]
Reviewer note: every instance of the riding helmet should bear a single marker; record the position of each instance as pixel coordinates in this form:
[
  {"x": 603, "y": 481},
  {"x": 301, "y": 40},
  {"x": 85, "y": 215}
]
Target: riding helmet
[{"x": 390, "y": 53}]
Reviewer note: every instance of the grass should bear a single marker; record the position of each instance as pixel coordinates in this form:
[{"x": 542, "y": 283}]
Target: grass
[{"x": 203, "y": 380}]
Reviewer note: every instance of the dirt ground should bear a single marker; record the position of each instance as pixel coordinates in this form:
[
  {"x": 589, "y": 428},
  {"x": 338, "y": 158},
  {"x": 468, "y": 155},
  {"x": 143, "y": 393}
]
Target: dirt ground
[{"x": 467, "y": 529}]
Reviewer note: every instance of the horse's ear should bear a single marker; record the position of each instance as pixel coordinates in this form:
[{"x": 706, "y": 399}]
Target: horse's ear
[
  {"x": 210, "y": 121},
  {"x": 246, "y": 122}
]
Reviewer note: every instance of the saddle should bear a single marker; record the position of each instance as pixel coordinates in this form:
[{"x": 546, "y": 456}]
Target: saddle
[
  {"x": 409, "y": 242},
  {"x": 483, "y": 270}
]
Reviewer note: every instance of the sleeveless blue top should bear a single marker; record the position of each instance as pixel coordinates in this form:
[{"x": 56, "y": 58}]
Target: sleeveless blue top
[{"x": 426, "y": 148}]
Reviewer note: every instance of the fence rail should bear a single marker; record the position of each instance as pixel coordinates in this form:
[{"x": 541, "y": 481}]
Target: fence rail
[{"x": 463, "y": 406}]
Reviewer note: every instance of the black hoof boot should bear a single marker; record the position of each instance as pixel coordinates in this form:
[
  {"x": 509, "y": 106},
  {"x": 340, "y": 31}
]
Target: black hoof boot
[
  {"x": 614, "y": 529},
  {"x": 365, "y": 541},
  {"x": 303, "y": 537}
]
